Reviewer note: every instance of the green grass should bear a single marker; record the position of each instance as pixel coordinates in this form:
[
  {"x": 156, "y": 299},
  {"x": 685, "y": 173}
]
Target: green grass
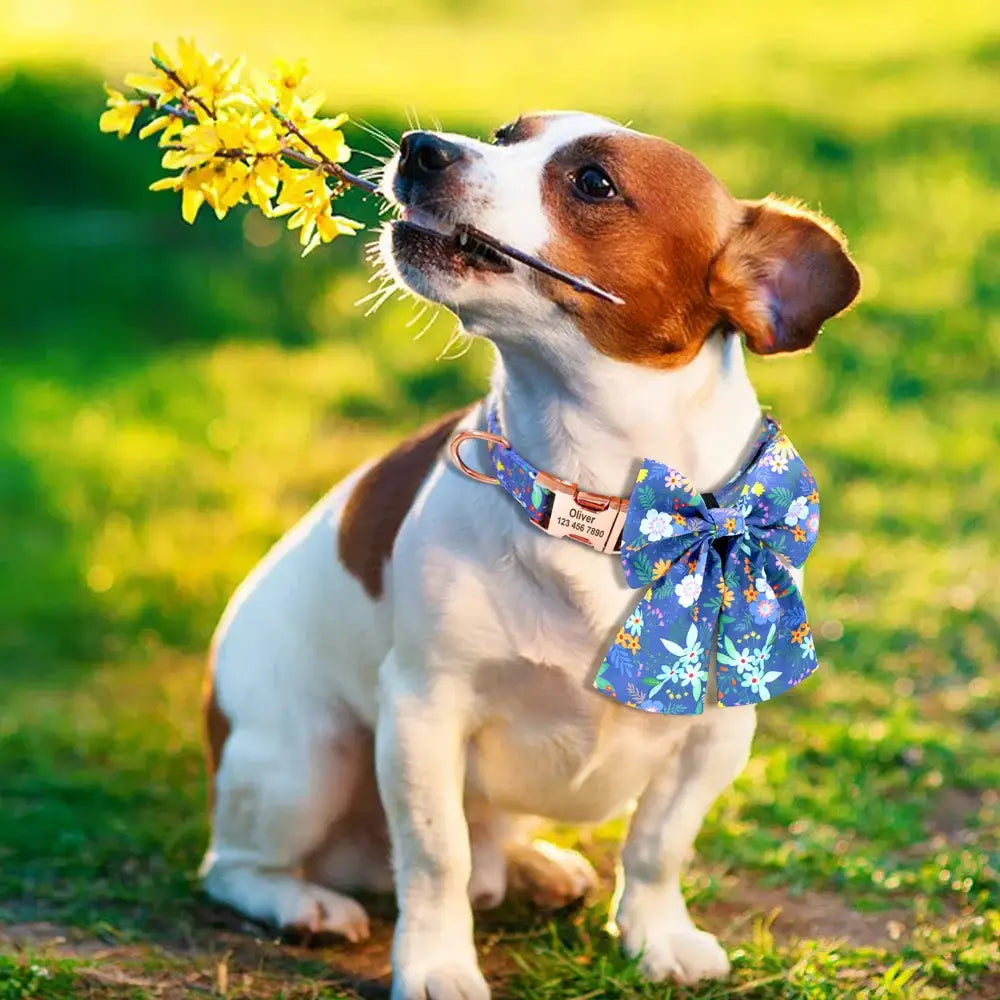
[{"x": 171, "y": 400}]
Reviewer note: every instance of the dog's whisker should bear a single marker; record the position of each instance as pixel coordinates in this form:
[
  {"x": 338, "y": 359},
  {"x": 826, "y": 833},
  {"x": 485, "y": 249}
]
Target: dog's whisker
[
  {"x": 416, "y": 317},
  {"x": 375, "y": 306},
  {"x": 372, "y": 295},
  {"x": 428, "y": 324},
  {"x": 376, "y": 133},
  {"x": 371, "y": 156},
  {"x": 458, "y": 336}
]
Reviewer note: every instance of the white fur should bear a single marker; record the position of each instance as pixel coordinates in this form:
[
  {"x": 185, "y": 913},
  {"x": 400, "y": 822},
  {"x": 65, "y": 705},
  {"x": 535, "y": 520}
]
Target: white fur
[{"x": 474, "y": 669}]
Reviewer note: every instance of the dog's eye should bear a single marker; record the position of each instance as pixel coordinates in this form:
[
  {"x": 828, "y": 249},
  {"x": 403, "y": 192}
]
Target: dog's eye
[{"x": 593, "y": 183}]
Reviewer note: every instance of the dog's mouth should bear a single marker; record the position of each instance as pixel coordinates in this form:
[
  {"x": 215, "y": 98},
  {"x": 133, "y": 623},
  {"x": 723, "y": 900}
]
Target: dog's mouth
[
  {"x": 427, "y": 240},
  {"x": 424, "y": 242}
]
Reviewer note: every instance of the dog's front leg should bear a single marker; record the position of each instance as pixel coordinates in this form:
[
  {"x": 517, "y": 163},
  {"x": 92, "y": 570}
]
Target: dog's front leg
[
  {"x": 420, "y": 761},
  {"x": 650, "y": 914}
]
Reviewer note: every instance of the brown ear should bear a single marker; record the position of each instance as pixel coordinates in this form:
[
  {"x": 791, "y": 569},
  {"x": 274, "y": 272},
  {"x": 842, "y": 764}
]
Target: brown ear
[{"x": 781, "y": 275}]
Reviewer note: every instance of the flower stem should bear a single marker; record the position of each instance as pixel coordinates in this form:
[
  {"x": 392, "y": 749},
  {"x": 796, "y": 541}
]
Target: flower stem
[
  {"x": 322, "y": 160},
  {"x": 173, "y": 75}
]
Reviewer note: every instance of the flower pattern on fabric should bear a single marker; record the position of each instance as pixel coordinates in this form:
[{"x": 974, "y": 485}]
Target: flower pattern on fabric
[
  {"x": 517, "y": 476},
  {"x": 656, "y": 525},
  {"x": 723, "y": 568}
]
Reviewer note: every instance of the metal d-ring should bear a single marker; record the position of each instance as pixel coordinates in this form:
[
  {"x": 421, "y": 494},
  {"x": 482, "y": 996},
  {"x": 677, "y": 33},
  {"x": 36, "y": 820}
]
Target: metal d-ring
[{"x": 460, "y": 438}]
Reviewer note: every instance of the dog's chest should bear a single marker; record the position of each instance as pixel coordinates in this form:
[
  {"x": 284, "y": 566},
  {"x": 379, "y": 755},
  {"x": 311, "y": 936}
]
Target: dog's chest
[
  {"x": 548, "y": 742},
  {"x": 553, "y": 746}
]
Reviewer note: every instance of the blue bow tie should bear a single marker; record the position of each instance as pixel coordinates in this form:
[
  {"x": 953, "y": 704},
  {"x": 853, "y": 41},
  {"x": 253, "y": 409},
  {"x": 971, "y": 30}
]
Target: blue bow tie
[{"x": 716, "y": 572}]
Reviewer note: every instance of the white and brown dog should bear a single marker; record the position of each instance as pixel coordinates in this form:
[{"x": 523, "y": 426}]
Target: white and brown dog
[{"x": 408, "y": 672}]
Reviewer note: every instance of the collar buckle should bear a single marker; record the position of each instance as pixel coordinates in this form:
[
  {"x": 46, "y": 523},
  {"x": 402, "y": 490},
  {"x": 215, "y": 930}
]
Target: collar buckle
[{"x": 592, "y": 519}]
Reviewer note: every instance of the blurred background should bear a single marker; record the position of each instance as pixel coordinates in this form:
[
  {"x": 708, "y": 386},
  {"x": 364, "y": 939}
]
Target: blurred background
[{"x": 172, "y": 399}]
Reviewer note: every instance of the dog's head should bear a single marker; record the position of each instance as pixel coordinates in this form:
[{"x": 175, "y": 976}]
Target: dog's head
[{"x": 638, "y": 215}]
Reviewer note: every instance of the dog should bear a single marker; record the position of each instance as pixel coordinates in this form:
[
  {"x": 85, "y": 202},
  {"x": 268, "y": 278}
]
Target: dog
[{"x": 404, "y": 683}]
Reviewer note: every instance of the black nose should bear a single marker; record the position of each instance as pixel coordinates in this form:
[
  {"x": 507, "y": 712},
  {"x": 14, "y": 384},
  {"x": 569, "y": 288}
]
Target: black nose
[{"x": 424, "y": 154}]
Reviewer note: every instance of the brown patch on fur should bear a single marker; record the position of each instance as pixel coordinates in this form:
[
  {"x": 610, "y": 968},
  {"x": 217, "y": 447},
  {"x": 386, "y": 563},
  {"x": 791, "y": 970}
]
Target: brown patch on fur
[
  {"x": 653, "y": 245},
  {"x": 782, "y": 274},
  {"x": 686, "y": 256},
  {"x": 217, "y": 727},
  {"x": 382, "y": 497}
]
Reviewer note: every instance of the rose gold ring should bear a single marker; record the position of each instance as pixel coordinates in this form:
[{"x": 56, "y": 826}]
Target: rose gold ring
[{"x": 460, "y": 438}]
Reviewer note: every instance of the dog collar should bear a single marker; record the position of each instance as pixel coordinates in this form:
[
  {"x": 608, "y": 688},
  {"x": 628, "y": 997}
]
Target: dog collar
[
  {"x": 714, "y": 567},
  {"x": 560, "y": 508}
]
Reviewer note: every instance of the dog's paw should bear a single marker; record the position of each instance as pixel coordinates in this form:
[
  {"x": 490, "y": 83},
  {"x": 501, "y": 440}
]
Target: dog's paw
[
  {"x": 551, "y": 876},
  {"x": 308, "y": 908},
  {"x": 449, "y": 979},
  {"x": 686, "y": 956}
]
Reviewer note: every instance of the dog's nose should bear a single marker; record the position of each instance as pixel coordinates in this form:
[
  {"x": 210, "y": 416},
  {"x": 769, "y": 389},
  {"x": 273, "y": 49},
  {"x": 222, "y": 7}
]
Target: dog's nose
[{"x": 422, "y": 155}]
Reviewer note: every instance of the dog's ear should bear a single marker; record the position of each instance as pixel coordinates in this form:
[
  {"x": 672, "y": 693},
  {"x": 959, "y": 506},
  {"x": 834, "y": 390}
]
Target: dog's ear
[{"x": 783, "y": 272}]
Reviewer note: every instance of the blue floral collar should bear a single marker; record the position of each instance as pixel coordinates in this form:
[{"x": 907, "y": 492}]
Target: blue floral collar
[{"x": 714, "y": 568}]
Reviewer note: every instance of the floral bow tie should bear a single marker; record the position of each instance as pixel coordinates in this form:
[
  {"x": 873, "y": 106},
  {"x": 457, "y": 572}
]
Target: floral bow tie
[{"x": 716, "y": 569}]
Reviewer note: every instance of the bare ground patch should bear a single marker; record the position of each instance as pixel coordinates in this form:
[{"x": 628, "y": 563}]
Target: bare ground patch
[{"x": 232, "y": 957}]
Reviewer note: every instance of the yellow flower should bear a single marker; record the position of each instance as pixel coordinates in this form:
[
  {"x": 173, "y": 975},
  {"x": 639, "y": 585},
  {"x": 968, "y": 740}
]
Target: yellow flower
[
  {"x": 631, "y": 643},
  {"x": 121, "y": 114},
  {"x": 200, "y": 80},
  {"x": 641, "y": 478},
  {"x": 323, "y": 133},
  {"x": 726, "y": 592},
  {"x": 233, "y": 140},
  {"x": 783, "y": 448},
  {"x": 660, "y": 568},
  {"x": 286, "y": 78},
  {"x": 328, "y": 138},
  {"x": 262, "y": 183},
  {"x": 226, "y": 186},
  {"x": 757, "y": 489},
  {"x": 170, "y": 125},
  {"x": 221, "y": 183},
  {"x": 307, "y": 199}
]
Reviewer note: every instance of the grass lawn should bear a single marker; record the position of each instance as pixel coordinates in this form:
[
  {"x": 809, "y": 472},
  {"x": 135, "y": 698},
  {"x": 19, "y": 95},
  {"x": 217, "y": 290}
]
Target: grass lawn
[{"x": 171, "y": 400}]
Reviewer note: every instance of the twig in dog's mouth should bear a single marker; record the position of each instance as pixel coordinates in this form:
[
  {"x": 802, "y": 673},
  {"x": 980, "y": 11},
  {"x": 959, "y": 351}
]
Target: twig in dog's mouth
[
  {"x": 575, "y": 282},
  {"x": 490, "y": 250}
]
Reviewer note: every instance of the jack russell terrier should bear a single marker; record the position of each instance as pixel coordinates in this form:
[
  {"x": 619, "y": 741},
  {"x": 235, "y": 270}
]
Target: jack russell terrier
[{"x": 406, "y": 681}]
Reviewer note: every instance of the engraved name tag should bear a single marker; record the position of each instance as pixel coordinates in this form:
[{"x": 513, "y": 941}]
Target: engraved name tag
[{"x": 599, "y": 528}]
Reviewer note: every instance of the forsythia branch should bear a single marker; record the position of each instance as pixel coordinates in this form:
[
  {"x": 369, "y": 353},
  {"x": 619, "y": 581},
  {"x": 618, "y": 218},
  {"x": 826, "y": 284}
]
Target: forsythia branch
[{"x": 235, "y": 139}]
